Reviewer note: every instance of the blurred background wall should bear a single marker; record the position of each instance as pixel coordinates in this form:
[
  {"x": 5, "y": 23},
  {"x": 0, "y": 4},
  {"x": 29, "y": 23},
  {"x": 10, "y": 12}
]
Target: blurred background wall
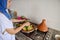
[{"x": 37, "y": 10}]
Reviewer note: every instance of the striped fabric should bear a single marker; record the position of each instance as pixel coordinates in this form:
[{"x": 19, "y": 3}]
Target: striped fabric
[{"x": 5, "y": 23}]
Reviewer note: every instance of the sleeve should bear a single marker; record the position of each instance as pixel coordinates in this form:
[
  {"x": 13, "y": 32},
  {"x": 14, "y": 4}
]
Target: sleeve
[
  {"x": 5, "y": 22},
  {"x": 0, "y": 34},
  {"x": 1, "y": 38}
]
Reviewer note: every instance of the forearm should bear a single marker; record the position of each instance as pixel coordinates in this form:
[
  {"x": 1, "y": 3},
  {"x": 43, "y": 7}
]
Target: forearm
[
  {"x": 16, "y": 20},
  {"x": 14, "y": 30},
  {"x": 19, "y": 29}
]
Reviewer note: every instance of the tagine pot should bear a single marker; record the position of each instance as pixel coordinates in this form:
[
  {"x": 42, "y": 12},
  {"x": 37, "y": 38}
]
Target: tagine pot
[{"x": 42, "y": 26}]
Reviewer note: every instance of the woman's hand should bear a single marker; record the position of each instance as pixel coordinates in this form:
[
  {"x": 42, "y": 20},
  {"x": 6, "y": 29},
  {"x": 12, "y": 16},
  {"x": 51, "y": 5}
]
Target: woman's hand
[{"x": 26, "y": 24}]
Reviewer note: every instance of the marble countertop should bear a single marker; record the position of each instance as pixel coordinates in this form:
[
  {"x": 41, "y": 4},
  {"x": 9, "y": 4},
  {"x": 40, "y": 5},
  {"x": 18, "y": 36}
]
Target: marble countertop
[{"x": 36, "y": 35}]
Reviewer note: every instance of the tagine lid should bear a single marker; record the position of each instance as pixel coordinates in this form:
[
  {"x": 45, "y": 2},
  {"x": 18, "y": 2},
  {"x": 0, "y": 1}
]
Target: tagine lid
[{"x": 42, "y": 26}]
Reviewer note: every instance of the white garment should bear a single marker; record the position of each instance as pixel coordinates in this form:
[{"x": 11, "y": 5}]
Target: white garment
[{"x": 5, "y": 23}]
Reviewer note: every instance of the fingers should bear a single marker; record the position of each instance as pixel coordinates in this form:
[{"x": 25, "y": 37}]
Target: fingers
[{"x": 26, "y": 24}]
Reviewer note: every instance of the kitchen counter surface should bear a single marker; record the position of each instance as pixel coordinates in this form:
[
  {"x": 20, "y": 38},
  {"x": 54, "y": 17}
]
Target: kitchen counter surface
[{"x": 37, "y": 35}]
